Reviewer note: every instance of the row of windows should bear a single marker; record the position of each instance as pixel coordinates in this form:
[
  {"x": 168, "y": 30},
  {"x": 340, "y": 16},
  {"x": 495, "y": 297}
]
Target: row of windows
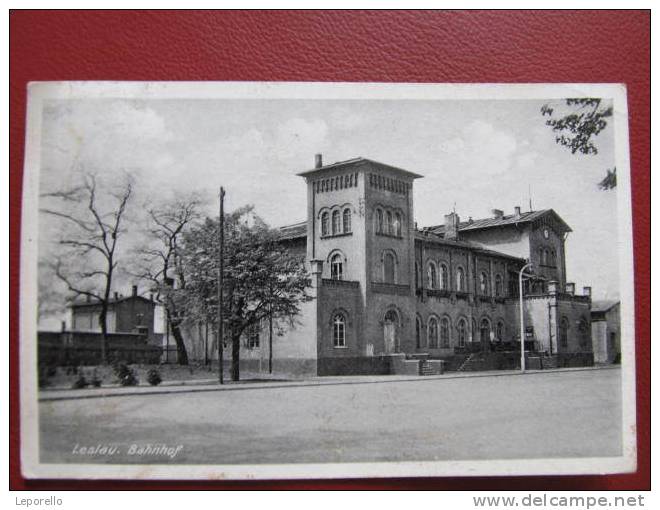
[
  {"x": 439, "y": 332},
  {"x": 547, "y": 257},
  {"x": 388, "y": 223},
  {"x": 338, "y": 261},
  {"x": 437, "y": 277},
  {"x": 336, "y": 183},
  {"x": 388, "y": 184},
  {"x": 341, "y": 222}
]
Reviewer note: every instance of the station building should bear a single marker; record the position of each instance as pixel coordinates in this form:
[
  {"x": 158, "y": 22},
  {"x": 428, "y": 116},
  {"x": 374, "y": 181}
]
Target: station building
[{"x": 390, "y": 297}]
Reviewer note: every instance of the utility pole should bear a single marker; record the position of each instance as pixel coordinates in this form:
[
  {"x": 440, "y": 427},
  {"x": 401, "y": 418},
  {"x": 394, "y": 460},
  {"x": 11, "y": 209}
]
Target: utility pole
[
  {"x": 270, "y": 339},
  {"x": 522, "y": 317},
  {"x": 221, "y": 271}
]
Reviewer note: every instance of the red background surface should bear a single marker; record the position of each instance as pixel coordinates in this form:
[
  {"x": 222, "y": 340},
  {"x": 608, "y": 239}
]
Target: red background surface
[{"x": 383, "y": 46}]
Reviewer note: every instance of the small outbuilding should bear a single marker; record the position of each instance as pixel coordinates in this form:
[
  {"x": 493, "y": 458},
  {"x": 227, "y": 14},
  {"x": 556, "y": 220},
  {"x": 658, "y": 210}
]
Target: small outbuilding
[{"x": 606, "y": 331}]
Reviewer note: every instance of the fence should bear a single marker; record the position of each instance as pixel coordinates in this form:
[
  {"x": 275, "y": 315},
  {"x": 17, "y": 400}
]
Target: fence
[{"x": 86, "y": 348}]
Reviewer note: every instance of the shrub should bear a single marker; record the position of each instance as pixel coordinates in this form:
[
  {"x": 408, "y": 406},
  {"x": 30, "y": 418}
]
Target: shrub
[
  {"x": 125, "y": 374},
  {"x": 80, "y": 383},
  {"x": 153, "y": 377},
  {"x": 96, "y": 381}
]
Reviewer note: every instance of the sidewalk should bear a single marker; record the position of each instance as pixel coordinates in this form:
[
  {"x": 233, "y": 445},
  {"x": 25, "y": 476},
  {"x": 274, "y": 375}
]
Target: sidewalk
[{"x": 197, "y": 386}]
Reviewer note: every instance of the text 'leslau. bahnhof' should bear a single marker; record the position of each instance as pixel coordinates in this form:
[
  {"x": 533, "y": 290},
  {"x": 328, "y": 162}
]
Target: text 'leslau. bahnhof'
[{"x": 392, "y": 298}]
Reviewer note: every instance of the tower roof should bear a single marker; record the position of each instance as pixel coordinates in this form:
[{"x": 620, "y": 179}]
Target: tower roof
[{"x": 357, "y": 162}]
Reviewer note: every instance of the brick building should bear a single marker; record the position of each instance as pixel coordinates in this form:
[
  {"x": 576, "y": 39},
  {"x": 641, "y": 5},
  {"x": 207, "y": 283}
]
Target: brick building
[
  {"x": 126, "y": 314},
  {"x": 385, "y": 289}
]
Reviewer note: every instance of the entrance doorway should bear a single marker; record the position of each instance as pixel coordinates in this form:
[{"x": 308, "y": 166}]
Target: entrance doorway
[{"x": 390, "y": 332}]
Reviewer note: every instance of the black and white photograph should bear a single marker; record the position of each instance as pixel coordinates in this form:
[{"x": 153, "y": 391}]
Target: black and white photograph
[{"x": 326, "y": 280}]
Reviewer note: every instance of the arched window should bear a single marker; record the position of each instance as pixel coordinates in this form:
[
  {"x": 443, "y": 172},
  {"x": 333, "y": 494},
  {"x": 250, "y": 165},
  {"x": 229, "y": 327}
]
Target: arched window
[
  {"x": 542, "y": 257},
  {"x": 389, "y": 268},
  {"x": 474, "y": 330},
  {"x": 418, "y": 333},
  {"x": 483, "y": 283},
  {"x": 444, "y": 333},
  {"x": 417, "y": 275},
  {"x": 379, "y": 221},
  {"x": 499, "y": 331},
  {"x": 433, "y": 333},
  {"x": 444, "y": 277},
  {"x": 336, "y": 224},
  {"x": 563, "y": 332},
  {"x": 336, "y": 267},
  {"x": 553, "y": 258},
  {"x": 462, "y": 332},
  {"x": 388, "y": 223},
  {"x": 460, "y": 280},
  {"x": 339, "y": 331},
  {"x": 484, "y": 330},
  {"x": 499, "y": 286},
  {"x": 325, "y": 224},
  {"x": 347, "y": 220},
  {"x": 397, "y": 224},
  {"x": 583, "y": 331},
  {"x": 431, "y": 276}
]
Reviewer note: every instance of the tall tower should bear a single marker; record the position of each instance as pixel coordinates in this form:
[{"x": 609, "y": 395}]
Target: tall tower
[{"x": 360, "y": 224}]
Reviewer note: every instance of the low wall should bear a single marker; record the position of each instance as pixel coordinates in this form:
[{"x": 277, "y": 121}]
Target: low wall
[
  {"x": 362, "y": 365},
  {"x": 85, "y": 348}
]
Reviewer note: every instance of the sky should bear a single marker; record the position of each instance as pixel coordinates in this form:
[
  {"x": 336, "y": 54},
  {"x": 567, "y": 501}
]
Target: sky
[{"x": 474, "y": 156}]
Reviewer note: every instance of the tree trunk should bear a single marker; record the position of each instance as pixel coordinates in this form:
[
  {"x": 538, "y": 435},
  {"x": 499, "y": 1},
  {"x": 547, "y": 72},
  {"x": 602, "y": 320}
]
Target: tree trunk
[
  {"x": 103, "y": 316},
  {"x": 235, "y": 357},
  {"x": 182, "y": 354}
]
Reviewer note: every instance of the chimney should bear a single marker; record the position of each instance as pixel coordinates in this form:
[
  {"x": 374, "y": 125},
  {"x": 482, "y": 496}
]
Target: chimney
[
  {"x": 151, "y": 296},
  {"x": 470, "y": 220},
  {"x": 134, "y": 290},
  {"x": 570, "y": 288},
  {"x": 552, "y": 287},
  {"x": 318, "y": 160},
  {"x": 451, "y": 226},
  {"x": 88, "y": 298},
  {"x": 586, "y": 291},
  {"x": 63, "y": 326},
  {"x": 517, "y": 211},
  {"x": 116, "y": 295},
  {"x": 498, "y": 214}
]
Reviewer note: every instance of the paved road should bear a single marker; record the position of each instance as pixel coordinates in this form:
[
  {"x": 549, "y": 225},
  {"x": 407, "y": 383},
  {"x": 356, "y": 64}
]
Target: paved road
[{"x": 561, "y": 414}]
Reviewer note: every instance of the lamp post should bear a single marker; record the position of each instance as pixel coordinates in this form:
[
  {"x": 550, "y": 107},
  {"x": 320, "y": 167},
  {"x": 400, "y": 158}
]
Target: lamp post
[
  {"x": 221, "y": 270},
  {"x": 522, "y": 317}
]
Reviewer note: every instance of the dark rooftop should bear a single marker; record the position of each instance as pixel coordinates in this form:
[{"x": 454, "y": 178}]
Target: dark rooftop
[
  {"x": 295, "y": 231},
  {"x": 358, "y": 162},
  {"x": 111, "y": 301},
  {"x": 511, "y": 219},
  {"x": 603, "y": 305}
]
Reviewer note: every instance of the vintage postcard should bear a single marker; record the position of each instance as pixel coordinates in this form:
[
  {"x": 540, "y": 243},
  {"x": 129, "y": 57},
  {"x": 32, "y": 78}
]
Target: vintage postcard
[{"x": 315, "y": 280}]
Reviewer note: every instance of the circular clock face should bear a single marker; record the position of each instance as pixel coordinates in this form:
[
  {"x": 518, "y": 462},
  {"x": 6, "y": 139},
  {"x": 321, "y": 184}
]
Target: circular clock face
[{"x": 546, "y": 233}]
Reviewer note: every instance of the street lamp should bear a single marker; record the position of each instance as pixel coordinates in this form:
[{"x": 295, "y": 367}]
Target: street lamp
[{"x": 522, "y": 317}]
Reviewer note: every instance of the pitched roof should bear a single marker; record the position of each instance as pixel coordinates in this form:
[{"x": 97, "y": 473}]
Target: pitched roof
[
  {"x": 436, "y": 239},
  {"x": 603, "y": 305},
  {"x": 358, "y": 162},
  {"x": 294, "y": 231},
  {"x": 111, "y": 301},
  {"x": 511, "y": 219}
]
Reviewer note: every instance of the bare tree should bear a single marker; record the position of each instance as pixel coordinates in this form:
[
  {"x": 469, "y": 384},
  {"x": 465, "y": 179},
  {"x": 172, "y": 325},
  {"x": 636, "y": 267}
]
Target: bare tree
[
  {"x": 160, "y": 260},
  {"x": 87, "y": 259}
]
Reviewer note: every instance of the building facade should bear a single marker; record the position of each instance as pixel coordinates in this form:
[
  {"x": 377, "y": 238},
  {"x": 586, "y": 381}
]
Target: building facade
[
  {"x": 126, "y": 314},
  {"x": 606, "y": 331},
  {"x": 384, "y": 288}
]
